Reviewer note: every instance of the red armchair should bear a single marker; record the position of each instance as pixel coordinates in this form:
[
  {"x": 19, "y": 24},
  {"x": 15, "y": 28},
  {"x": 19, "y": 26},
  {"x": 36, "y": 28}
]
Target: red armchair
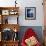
[{"x": 30, "y": 34}]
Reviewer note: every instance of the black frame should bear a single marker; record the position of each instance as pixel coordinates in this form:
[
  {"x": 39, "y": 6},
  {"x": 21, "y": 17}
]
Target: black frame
[{"x": 28, "y": 15}]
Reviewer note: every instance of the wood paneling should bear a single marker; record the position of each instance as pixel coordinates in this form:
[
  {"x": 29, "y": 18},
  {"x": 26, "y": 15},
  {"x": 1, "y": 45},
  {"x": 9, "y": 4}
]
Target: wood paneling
[
  {"x": 9, "y": 26},
  {"x": 10, "y": 43},
  {"x": 44, "y": 12},
  {"x": 5, "y": 8},
  {"x": 45, "y": 35}
]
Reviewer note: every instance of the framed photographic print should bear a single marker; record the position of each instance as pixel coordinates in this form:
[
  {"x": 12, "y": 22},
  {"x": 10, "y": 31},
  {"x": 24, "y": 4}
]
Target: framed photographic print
[
  {"x": 5, "y": 12},
  {"x": 30, "y": 13}
]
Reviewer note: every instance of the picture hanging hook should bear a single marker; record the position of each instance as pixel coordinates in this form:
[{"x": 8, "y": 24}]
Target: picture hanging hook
[{"x": 15, "y": 3}]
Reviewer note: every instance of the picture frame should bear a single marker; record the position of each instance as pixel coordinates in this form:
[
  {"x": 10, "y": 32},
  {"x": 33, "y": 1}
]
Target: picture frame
[
  {"x": 5, "y": 12},
  {"x": 13, "y": 12},
  {"x": 30, "y": 13}
]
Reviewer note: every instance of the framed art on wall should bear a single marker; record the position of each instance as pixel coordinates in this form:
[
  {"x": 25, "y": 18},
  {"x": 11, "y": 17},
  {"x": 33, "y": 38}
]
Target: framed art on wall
[
  {"x": 30, "y": 13},
  {"x": 5, "y": 12}
]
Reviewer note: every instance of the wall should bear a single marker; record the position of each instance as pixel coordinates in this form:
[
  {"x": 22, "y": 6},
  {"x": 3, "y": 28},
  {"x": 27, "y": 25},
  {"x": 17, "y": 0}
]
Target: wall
[
  {"x": 35, "y": 23},
  {"x": 27, "y": 3},
  {"x": 39, "y": 12},
  {"x": 37, "y": 29}
]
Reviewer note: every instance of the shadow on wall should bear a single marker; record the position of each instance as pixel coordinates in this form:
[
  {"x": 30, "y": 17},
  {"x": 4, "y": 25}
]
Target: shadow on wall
[{"x": 37, "y": 29}]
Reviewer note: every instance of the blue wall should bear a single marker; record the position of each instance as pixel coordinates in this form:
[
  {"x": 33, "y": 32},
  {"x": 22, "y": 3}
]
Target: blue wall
[{"x": 37, "y": 29}]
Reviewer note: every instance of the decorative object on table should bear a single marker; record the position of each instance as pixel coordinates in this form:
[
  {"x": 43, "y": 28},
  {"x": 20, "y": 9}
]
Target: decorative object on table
[
  {"x": 30, "y": 38},
  {"x": 13, "y": 12},
  {"x": 30, "y": 13},
  {"x": 15, "y": 3}
]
